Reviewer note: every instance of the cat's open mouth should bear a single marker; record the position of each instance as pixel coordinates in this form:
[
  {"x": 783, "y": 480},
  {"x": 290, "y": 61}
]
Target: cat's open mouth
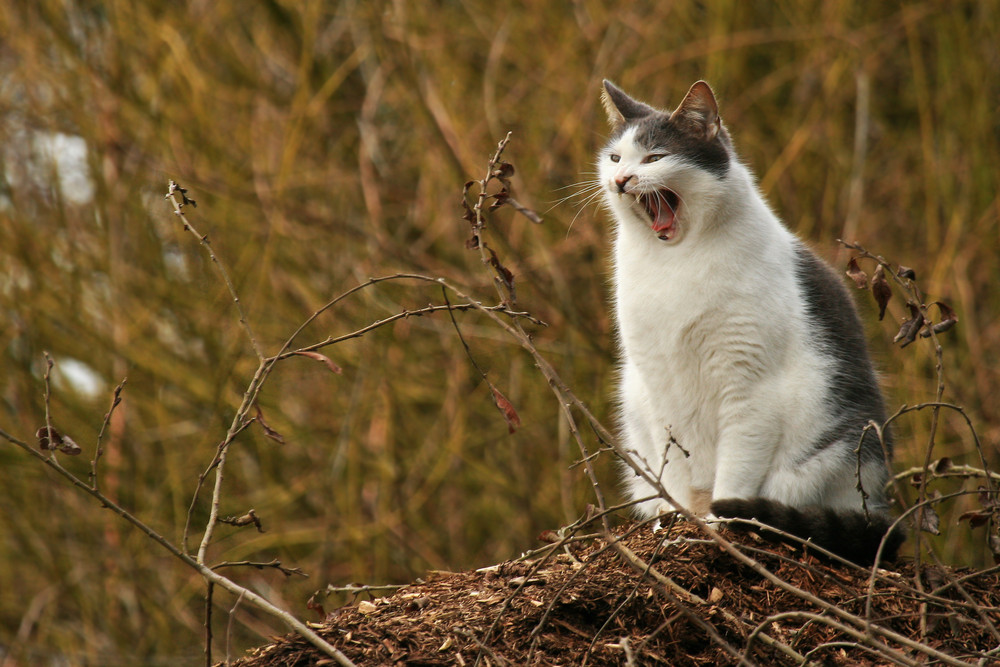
[{"x": 661, "y": 207}]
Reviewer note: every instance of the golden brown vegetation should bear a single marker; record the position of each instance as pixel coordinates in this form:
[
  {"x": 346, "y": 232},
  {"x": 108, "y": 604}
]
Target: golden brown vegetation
[{"x": 326, "y": 143}]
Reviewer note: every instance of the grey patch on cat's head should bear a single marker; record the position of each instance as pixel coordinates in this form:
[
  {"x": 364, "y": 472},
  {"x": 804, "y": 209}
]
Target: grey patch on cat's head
[{"x": 693, "y": 131}]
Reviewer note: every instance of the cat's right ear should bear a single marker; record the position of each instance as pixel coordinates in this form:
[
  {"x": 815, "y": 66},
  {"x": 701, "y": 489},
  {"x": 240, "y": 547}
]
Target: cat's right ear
[{"x": 621, "y": 108}]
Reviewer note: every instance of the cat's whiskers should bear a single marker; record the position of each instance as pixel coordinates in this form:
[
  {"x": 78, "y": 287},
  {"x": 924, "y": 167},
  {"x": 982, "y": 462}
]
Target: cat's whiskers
[{"x": 586, "y": 192}]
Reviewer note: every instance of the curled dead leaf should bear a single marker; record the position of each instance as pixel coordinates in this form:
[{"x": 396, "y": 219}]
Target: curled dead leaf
[
  {"x": 930, "y": 522},
  {"x": 247, "y": 519},
  {"x": 948, "y": 319},
  {"x": 315, "y": 606},
  {"x": 976, "y": 518},
  {"x": 48, "y": 438},
  {"x": 911, "y": 327},
  {"x": 51, "y": 439},
  {"x": 503, "y": 171},
  {"x": 504, "y": 275},
  {"x": 524, "y": 210},
  {"x": 499, "y": 199},
  {"x": 881, "y": 290},
  {"x": 942, "y": 465},
  {"x": 505, "y": 407},
  {"x": 69, "y": 447},
  {"x": 469, "y": 215},
  {"x": 856, "y": 274},
  {"x": 268, "y": 431},
  {"x": 906, "y": 272},
  {"x": 322, "y": 358},
  {"x": 994, "y": 543},
  {"x": 549, "y": 536}
]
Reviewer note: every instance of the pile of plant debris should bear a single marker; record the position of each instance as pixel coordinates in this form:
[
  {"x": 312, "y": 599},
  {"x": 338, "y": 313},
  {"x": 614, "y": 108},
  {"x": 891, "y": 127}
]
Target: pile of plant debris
[{"x": 673, "y": 597}]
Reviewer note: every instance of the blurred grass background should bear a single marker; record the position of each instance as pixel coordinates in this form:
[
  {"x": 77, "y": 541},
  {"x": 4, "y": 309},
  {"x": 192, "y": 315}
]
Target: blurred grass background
[{"x": 326, "y": 142}]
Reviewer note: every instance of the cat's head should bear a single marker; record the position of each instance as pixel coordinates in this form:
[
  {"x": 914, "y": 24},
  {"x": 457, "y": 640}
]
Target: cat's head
[{"x": 661, "y": 168}]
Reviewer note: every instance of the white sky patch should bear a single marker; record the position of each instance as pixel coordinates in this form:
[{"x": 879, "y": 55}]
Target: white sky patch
[
  {"x": 34, "y": 158},
  {"x": 79, "y": 377},
  {"x": 68, "y": 154}
]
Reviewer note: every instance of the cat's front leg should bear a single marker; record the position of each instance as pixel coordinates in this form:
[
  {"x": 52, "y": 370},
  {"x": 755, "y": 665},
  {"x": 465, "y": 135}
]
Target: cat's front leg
[{"x": 745, "y": 455}]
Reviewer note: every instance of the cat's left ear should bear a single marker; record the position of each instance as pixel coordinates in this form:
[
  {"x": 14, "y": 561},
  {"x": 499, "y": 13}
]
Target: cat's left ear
[
  {"x": 699, "y": 113},
  {"x": 621, "y": 108}
]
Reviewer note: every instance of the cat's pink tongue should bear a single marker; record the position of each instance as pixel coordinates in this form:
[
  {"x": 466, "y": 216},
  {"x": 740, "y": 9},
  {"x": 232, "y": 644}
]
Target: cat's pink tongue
[{"x": 663, "y": 223}]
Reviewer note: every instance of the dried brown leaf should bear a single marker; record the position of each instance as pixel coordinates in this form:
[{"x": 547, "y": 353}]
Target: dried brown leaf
[
  {"x": 986, "y": 497},
  {"x": 994, "y": 543},
  {"x": 469, "y": 215},
  {"x": 856, "y": 274},
  {"x": 549, "y": 536},
  {"x": 911, "y": 327},
  {"x": 321, "y": 358},
  {"x": 948, "y": 319},
  {"x": 268, "y": 431},
  {"x": 942, "y": 465},
  {"x": 508, "y": 411},
  {"x": 505, "y": 275},
  {"x": 524, "y": 210},
  {"x": 499, "y": 199},
  {"x": 906, "y": 272},
  {"x": 247, "y": 519},
  {"x": 317, "y": 607},
  {"x": 48, "y": 438},
  {"x": 930, "y": 522},
  {"x": 69, "y": 447},
  {"x": 503, "y": 171},
  {"x": 976, "y": 518},
  {"x": 881, "y": 290}
]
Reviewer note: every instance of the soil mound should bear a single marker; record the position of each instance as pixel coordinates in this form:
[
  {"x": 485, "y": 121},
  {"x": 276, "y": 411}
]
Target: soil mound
[{"x": 675, "y": 597}]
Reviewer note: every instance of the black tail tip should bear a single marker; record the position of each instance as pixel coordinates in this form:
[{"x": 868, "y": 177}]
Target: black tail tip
[{"x": 850, "y": 534}]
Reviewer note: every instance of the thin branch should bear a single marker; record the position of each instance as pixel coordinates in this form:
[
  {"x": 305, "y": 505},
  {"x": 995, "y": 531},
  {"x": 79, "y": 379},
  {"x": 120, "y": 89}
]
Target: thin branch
[
  {"x": 99, "y": 451},
  {"x": 884, "y": 650},
  {"x": 206, "y": 572},
  {"x": 275, "y": 564},
  {"x": 229, "y": 626},
  {"x": 210, "y": 589},
  {"x": 173, "y": 192},
  {"x": 333, "y": 340},
  {"x": 239, "y": 425},
  {"x": 354, "y": 589}
]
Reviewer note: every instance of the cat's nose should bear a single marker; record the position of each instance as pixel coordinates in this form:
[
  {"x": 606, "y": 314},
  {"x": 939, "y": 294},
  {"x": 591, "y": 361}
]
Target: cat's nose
[{"x": 621, "y": 181}]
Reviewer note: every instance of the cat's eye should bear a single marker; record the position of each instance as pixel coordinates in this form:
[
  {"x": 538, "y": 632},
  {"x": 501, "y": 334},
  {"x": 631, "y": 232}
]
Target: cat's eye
[
  {"x": 653, "y": 157},
  {"x": 615, "y": 158}
]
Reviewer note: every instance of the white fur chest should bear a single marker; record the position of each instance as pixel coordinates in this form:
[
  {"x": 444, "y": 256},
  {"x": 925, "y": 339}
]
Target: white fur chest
[{"x": 703, "y": 310}]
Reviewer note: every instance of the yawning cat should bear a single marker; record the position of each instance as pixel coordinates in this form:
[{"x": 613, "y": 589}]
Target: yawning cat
[{"x": 745, "y": 381}]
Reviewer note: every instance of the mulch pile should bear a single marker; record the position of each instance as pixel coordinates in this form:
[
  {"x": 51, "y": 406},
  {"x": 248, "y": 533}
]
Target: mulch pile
[{"x": 587, "y": 603}]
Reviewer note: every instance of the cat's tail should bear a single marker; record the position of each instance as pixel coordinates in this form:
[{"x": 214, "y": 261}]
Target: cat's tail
[{"x": 848, "y": 533}]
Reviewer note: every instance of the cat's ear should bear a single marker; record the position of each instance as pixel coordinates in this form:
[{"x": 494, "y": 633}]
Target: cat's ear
[
  {"x": 620, "y": 107},
  {"x": 699, "y": 113}
]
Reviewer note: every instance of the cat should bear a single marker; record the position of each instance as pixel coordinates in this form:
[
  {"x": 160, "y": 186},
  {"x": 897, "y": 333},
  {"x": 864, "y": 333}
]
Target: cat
[{"x": 746, "y": 382}]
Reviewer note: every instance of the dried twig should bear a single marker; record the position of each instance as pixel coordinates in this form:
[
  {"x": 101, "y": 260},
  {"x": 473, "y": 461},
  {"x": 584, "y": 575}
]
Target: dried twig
[
  {"x": 210, "y": 576},
  {"x": 99, "y": 451}
]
